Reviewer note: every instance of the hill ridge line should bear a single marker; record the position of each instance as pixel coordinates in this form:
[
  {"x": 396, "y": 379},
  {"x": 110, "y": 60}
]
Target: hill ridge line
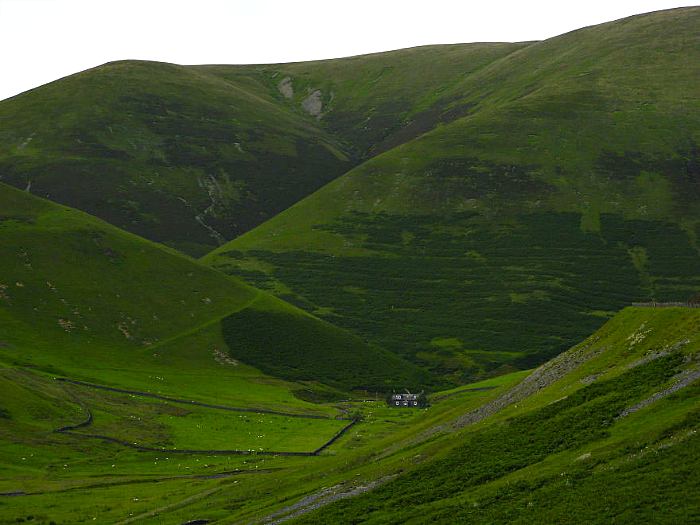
[{"x": 212, "y": 321}]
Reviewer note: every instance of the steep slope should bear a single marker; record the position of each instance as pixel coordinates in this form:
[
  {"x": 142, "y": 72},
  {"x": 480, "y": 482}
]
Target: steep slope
[
  {"x": 168, "y": 152},
  {"x": 79, "y": 297},
  {"x": 192, "y": 156},
  {"x": 608, "y": 431},
  {"x": 501, "y": 238}
]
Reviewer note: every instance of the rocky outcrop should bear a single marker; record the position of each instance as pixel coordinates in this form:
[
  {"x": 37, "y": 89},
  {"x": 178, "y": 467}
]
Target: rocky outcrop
[
  {"x": 286, "y": 88},
  {"x": 313, "y": 104},
  {"x": 682, "y": 380},
  {"x": 540, "y": 379}
]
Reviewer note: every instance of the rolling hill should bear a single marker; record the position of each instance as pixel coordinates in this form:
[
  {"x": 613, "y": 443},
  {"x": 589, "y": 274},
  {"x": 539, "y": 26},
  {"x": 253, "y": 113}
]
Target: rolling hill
[
  {"x": 605, "y": 432},
  {"x": 193, "y": 156},
  {"x": 505, "y": 197},
  {"x": 568, "y": 189},
  {"x": 83, "y": 299},
  {"x": 484, "y": 209},
  {"x": 164, "y": 151}
]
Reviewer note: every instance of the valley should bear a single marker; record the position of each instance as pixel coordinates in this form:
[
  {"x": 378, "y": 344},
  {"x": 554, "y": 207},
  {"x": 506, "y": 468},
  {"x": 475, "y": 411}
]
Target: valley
[
  {"x": 604, "y": 411},
  {"x": 213, "y": 278}
]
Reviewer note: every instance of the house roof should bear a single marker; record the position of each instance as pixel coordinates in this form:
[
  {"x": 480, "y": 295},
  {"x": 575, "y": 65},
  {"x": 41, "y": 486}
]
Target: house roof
[{"x": 405, "y": 397}]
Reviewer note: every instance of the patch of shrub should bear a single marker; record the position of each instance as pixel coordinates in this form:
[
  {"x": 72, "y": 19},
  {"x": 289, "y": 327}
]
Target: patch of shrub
[
  {"x": 584, "y": 417},
  {"x": 300, "y": 348},
  {"x": 525, "y": 287}
]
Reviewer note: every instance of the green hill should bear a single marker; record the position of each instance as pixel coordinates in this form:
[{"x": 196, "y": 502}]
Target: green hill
[
  {"x": 193, "y": 156},
  {"x": 168, "y": 152},
  {"x": 158, "y": 351},
  {"x": 83, "y": 299},
  {"x": 512, "y": 201},
  {"x": 378, "y": 101},
  {"x": 498, "y": 239}
]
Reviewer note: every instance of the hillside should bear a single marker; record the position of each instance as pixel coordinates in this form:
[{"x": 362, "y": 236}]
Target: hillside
[
  {"x": 607, "y": 431},
  {"x": 378, "y": 101},
  {"x": 114, "y": 348},
  {"x": 164, "y": 151},
  {"x": 83, "y": 299},
  {"x": 193, "y": 156},
  {"x": 503, "y": 236}
]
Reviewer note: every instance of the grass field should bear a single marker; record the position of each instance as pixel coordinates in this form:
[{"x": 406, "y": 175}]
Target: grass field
[
  {"x": 115, "y": 482},
  {"x": 158, "y": 423}
]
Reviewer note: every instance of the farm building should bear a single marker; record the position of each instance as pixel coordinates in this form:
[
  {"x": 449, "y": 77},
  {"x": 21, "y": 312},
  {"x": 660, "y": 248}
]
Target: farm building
[
  {"x": 694, "y": 300},
  {"x": 407, "y": 400}
]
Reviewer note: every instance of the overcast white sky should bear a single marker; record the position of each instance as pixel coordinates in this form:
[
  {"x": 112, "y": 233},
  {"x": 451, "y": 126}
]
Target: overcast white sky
[{"x": 43, "y": 40}]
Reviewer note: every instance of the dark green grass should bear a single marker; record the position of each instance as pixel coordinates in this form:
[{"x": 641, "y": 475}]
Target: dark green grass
[
  {"x": 159, "y": 149},
  {"x": 583, "y": 417},
  {"x": 299, "y": 348},
  {"x": 517, "y": 293}
]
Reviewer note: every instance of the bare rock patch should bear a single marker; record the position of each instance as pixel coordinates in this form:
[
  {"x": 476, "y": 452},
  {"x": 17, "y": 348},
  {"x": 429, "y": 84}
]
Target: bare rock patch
[
  {"x": 313, "y": 104},
  {"x": 286, "y": 88}
]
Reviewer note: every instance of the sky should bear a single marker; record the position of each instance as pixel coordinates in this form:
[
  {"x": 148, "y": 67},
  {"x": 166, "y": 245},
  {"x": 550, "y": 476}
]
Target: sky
[{"x": 44, "y": 40}]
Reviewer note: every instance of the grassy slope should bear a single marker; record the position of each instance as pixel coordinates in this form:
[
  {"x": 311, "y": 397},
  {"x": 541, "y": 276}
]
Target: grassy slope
[
  {"x": 375, "y": 102},
  {"x": 168, "y": 152},
  {"x": 544, "y": 458},
  {"x": 562, "y": 453},
  {"x": 76, "y": 287},
  {"x": 570, "y": 190},
  {"x": 82, "y": 299}
]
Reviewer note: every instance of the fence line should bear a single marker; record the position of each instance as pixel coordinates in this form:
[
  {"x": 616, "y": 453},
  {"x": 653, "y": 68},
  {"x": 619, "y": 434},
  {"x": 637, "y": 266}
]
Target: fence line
[
  {"x": 195, "y": 403},
  {"x": 88, "y": 420},
  {"x": 666, "y": 305}
]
